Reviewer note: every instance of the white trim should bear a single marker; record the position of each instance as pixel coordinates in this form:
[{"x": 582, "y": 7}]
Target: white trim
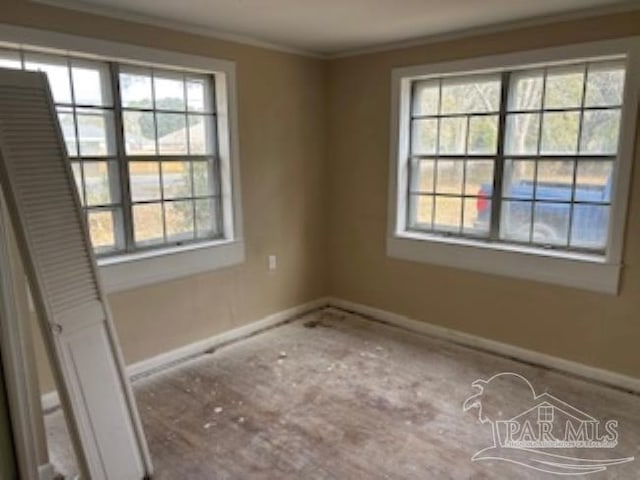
[
  {"x": 94, "y": 48},
  {"x": 600, "y": 274},
  {"x": 145, "y": 367},
  {"x": 131, "y": 271},
  {"x": 575, "y": 271},
  {"x": 539, "y": 21},
  {"x": 588, "y": 372},
  {"x": 50, "y": 400},
  {"x": 175, "y": 26},
  {"x": 82, "y": 6}
]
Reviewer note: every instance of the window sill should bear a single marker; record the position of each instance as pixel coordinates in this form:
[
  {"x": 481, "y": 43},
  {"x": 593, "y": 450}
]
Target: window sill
[
  {"x": 582, "y": 271},
  {"x": 126, "y": 272}
]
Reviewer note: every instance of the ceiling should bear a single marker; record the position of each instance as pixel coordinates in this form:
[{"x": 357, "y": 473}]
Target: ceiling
[{"x": 333, "y": 27}]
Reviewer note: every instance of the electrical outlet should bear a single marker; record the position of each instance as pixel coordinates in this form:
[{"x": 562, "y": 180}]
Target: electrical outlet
[{"x": 273, "y": 262}]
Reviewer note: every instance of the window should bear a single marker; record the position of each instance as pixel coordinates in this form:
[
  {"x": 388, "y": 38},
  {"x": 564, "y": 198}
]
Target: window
[
  {"x": 545, "y": 413},
  {"x": 143, "y": 148},
  {"x": 545, "y": 138},
  {"x": 502, "y": 161}
]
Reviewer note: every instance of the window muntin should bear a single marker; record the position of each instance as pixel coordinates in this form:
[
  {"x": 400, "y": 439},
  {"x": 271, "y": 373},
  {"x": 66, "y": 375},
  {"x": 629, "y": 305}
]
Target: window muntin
[
  {"x": 164, "y": 137},
  {"x": 170, "y": 143},
  {"x": 454, "y": 133},
  {"x": 522, "y": 157},
  {"x": 545, "y": 413}
]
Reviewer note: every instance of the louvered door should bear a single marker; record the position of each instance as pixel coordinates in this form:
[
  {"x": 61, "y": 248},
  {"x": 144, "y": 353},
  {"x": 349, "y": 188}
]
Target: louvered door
[{"x": 39, "y": 189}]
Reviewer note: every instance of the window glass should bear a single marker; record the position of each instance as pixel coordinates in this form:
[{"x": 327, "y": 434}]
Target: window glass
[
  {"x": 167, "y": 148},
  {"x": 454, "y": 142},
  {"x": 553, "y": 144}
]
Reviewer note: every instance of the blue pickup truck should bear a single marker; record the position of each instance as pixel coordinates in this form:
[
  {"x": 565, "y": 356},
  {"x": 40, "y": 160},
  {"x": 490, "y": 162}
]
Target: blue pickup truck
[{"x": 589, "y": 226}]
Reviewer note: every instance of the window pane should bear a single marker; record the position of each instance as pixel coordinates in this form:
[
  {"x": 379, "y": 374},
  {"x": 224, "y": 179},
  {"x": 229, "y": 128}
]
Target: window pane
[
  {"x": 101, "y": 182},
  {"x": 424, "y": 136},
  {"x": 422, "y": 175},
  {"x": 605, "y": 84},
  {"x": 447, "y": 214},
  {"x": 518, "y": 179},
  {"x": 96, "y": 132},
  {"x": 102, "y": 230},
  {"x": 600, "y": 131},
  {"x": 449, "y": 176},
  {"x": 176, "y": 179},
  {"x": 91, "y": 83},
  {"x": 564, "y": 87},
  {"x": 421, "y": 211},
  {"x": 480, "y": 93},
  {"x": 483, "y": 135},
  {"x": 554, "y": 180},
  {"x": 590, "y": 226},
  {"x": 205, "y": 218},
  {"x": 426, "y": 97},
  {"x": 169, "y": 91},
  {"x": 453, "y": 135},
  {"x": 593, "y": 181},
  {"x": 147, "y": 223},
  {"x": 559, "y": 133},
  {"x": 477, "y": 216},
  {"x": 10, "y": 59},
  {"x": 551, "y": 223},
  {"x": 203, "y": 184},
  {"x": 479, "y": 177},
  {"x": 201, "y": 135},
  {"x": 57, "y": 72},
  {"x": 522, "y": 134},
  {"x": 179, "y": 220},
  {"x": 526, "y": 90},
  {"x": 68, "y": 127},
  {"x": 172, "y": 133},
  {"x": 77, "y": 176},
  {"x": 144, "y": 179},
  {"x": 139, "y": 133},
  {"x": 135, "y": 88},
  {"x": 515, "y": 221},
  {"x": 199, "y": 95}
]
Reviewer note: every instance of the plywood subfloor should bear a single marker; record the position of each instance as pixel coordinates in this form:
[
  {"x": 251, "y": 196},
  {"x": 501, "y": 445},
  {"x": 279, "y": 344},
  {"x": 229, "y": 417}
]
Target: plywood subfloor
[{"x": 332, "y": 395}]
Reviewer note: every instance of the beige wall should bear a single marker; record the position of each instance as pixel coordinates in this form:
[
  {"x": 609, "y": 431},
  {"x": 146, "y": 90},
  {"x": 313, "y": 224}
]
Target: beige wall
[
  {"x": 314, "y": 143},
  {"x": 594, "y": 329},
  {"x": 281, "y": 102}
]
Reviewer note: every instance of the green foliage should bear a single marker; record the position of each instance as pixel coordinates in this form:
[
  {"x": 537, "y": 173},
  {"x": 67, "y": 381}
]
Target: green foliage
[{"x": 169, "y": 124}]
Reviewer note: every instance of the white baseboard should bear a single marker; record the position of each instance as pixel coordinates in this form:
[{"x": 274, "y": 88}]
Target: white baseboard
[
  {"x": 51, "y": 400},
  {"x": 614, "y": 379}
]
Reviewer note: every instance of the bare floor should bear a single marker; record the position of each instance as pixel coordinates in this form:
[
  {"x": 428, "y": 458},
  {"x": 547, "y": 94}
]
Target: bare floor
[{"x": 333, "y": 395}]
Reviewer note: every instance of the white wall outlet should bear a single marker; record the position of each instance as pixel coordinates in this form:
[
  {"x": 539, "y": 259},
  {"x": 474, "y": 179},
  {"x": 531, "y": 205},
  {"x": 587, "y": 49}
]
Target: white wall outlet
[{"x": 273, "y": 262}]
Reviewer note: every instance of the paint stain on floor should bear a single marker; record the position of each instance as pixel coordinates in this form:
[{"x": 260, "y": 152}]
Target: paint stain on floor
[{"x": 333, "y": 395}]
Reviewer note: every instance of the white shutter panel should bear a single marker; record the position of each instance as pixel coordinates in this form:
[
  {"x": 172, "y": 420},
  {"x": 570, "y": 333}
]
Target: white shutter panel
[{"x": 38, "y": 185}]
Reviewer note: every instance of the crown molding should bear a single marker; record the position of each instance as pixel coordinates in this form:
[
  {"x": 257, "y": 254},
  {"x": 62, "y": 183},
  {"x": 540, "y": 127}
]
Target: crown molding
[
  {"x": 627, "y": 6},
  {"x": 82, "y": 6},
  {"x": 184, "y": 27}
]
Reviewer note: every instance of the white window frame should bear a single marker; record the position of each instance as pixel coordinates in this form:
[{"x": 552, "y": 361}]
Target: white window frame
[
  {"x": 600, "y": 273},
  {"x": 127, "y": 271}
]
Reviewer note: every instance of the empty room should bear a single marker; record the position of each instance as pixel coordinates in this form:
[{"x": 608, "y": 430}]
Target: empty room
[{"x": 340, "y": 239}]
